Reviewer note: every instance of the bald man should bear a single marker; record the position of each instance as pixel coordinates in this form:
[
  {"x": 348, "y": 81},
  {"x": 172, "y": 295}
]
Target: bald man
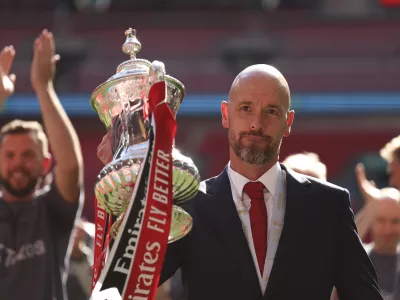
[{"x": 261, "y": 231}]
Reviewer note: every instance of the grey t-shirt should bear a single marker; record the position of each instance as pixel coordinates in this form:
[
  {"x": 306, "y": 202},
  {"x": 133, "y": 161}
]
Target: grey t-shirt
[
  {"x": 387, "y": 268},
  {"x": 34, "y": 238}
]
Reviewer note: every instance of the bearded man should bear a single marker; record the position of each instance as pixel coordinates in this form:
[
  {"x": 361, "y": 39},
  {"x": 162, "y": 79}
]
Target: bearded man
[
  {"x": 37, "y": 215},
  {"x": 260, "y": 230}
]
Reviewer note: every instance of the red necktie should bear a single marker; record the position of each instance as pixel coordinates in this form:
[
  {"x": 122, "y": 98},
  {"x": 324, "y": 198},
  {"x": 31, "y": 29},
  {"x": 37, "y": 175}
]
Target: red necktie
[{"x": 258, "y": 220}]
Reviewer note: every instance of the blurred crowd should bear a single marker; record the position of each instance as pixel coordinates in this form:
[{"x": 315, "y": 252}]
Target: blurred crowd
[{"x": 46, "y": 246}]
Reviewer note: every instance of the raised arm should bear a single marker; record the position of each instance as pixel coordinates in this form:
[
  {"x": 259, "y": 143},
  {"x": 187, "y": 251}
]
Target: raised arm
[
  {"x": 62, "y": 137},
  {"x": 6, "y": 80},
  {"x": 370, "y": 194}
]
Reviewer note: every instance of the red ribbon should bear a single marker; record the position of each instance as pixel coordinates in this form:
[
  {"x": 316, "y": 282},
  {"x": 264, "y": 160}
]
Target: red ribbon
[
  {"x": 152, "y": 245},
  {"x": 135, "y": 262},
  {"x": 101, "y": 241}
]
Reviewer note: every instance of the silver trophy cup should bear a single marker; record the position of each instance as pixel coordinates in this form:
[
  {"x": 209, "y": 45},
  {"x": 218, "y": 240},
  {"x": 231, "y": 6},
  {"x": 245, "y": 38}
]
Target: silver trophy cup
[{"x": 121, "y": 103}]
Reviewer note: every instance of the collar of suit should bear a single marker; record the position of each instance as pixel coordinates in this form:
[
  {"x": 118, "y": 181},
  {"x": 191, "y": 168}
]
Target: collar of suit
[
  {"x": 223, "y": 213},
  {"x": 268, "y": 179}
]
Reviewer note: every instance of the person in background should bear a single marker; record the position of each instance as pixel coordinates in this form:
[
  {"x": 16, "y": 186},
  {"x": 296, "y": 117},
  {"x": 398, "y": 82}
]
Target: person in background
[
  {"x": 80, "y": 272},
  {"x": 37, "y": 213},
  {"x": 306, "y": 163},
  {"x": 391, "y": 153},
  {"x": 381, "y": 215}
]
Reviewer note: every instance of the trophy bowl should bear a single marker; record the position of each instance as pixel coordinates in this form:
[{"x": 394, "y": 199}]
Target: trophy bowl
[{"x": 121, "y": 103}]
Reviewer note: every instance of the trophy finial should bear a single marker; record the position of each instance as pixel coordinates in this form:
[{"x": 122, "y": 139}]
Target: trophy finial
[{"x": 132, "y": 45}]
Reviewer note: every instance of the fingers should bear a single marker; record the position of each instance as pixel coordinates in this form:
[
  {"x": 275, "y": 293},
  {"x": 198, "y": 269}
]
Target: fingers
[
  {"x": 45, "y": 45},
  {"x": 13, "y": 78},
  {"x": 6, "y": 59},
  {"x": 104, "y": 140},
  {"x": 362, "y": 177},
  {"x": 47, "y": 40},
  {"x": 360, "y": 173},
  {"x": 104, "y": 152},
  {"x": 37, "y": 47},
  {"x": 44, "y": 41},
  {"x": 52, "y": 44},
  {"x": 362, "y": 181},
  {"x": 367, "y": 188}
]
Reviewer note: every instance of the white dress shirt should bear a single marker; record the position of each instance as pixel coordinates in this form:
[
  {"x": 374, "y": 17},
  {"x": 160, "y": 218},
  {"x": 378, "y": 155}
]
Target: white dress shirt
[{"x": 243, "y": 203}]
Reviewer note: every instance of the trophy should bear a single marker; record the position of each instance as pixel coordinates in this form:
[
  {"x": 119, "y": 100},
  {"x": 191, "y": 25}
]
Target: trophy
[{"x": 121, "y": 103}]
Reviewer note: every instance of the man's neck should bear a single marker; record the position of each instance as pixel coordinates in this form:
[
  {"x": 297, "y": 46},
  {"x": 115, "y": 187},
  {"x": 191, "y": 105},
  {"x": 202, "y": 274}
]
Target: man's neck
[{"x": 250, "y": 171}]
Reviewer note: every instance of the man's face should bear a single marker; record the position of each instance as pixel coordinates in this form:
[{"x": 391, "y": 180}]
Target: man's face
[
  {"x": 386, "y": 225},
  {"x": 21, "y": 162},
  {"x": 257, "y": 120},
  {"x": 394, "y": 172}
]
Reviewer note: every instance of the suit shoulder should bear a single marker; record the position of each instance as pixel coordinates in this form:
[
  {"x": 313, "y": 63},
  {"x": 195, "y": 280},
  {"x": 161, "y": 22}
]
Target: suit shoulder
[
  {"x": 205, "y": 184},
  {"x": 329, "y": 195},
  {"x": 201, "y": 194},
  {"x": 327, "y": 188},
  {"x": 326, "y": 185}
]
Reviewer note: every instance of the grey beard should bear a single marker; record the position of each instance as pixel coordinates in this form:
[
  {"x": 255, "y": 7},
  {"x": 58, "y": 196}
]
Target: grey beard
[{"x": 251, "y": 155}]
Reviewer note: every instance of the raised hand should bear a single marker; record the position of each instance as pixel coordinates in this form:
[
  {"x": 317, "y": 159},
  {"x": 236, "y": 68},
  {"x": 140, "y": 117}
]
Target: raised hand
[
  {"x": 7, "y": 81},
  {"x": 367, "y": 188},
  {"x": 43, "y": 66},
  {"x": 104, "y": 152}
]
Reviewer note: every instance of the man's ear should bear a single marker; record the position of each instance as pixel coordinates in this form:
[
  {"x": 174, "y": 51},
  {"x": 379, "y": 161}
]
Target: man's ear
[
  {"x": 225, "y": 114},
  {"x": 289, "y": 122},
  {"x": 47, "y": 164}
]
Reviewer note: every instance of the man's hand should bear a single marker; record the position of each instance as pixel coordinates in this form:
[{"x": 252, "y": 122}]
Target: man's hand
[
  {"x": 367, "y": 188},
  {"x": 43, "y": 66},
  {"x": 104, "y": 152},
  {"x": 371, "y": 195},
  {"x": 7, "y": 80}
]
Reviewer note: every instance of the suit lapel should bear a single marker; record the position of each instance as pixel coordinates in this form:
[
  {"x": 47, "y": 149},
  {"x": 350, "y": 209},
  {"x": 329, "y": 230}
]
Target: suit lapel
[
  {"x": 230, "y": 231},
  {"x": 294, "y": 221}
]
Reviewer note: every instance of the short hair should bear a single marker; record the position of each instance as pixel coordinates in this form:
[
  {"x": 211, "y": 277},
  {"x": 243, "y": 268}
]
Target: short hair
[
  {"x": 21, "y": 127},
  {"x": 307, "y": 163},
  {"x": 391, "y": 149}
]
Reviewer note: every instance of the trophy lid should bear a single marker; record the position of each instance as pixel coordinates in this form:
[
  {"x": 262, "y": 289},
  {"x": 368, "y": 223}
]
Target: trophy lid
[
  {"x": 129, "y": 82},
  {"x": 128, "y": 70},
  {"x": 131, "y": 47}
]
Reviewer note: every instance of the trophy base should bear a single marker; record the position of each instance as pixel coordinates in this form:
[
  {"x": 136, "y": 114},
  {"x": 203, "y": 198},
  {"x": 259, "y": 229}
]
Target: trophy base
[{"x": 115, "y": 182}]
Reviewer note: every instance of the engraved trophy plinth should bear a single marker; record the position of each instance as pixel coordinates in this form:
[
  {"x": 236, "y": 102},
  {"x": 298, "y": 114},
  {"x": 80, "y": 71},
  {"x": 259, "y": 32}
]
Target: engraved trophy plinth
[{"x": 121, "y": 103}]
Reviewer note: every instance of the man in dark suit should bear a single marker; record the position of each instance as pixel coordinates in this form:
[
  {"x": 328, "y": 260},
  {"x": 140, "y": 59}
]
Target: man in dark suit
[
  {"x": 260, "y": 230},
  {"x": 318, "y": 246}
]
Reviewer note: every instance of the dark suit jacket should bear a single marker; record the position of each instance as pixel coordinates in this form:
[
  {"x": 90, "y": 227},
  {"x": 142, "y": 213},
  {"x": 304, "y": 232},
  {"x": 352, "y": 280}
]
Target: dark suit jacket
[{"x": 319, "y": 248}]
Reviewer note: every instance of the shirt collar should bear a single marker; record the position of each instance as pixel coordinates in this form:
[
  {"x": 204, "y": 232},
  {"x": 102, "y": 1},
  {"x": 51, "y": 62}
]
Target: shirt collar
[{"x": 269, "y": 179}]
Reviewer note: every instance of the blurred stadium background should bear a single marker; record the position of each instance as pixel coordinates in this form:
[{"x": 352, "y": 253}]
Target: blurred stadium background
[{"x": 341, "y": 58}]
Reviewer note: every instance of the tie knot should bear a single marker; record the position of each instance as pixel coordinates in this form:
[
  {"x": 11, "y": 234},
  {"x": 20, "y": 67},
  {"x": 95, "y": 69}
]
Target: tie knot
[{"x": 255, "y": 190}]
